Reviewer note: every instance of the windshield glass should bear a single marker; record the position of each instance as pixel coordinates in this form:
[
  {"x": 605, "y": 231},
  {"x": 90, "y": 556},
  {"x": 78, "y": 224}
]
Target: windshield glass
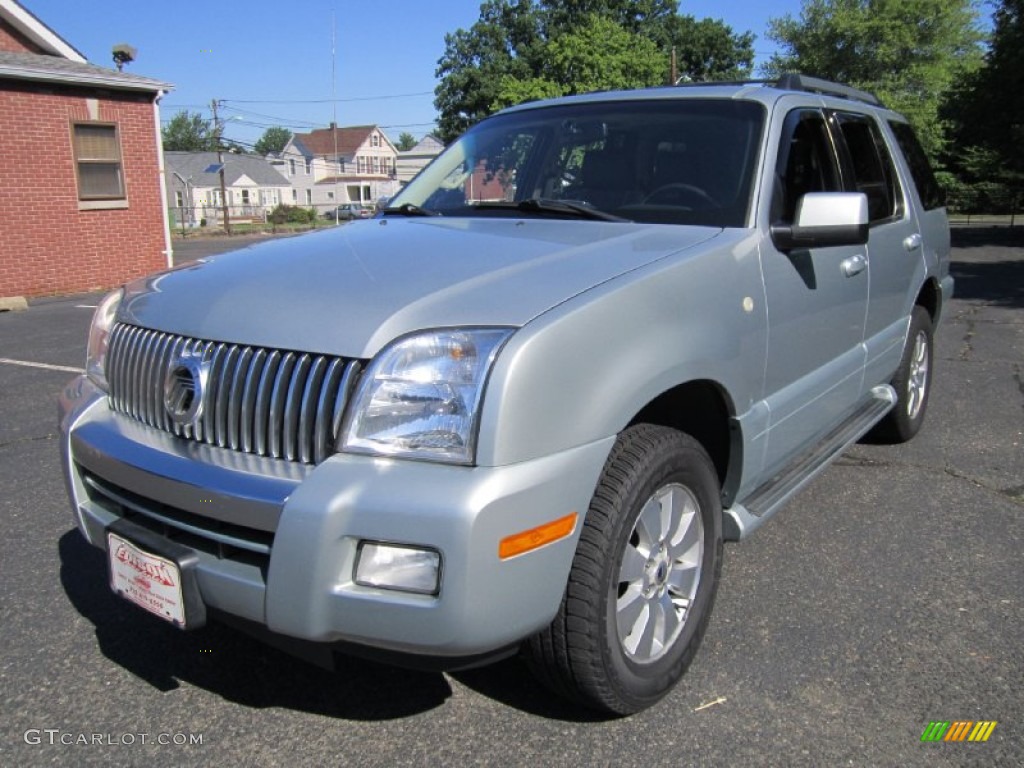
[{"x": 661, "y": 161}]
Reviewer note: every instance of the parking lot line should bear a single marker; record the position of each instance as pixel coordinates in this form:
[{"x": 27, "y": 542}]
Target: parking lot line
[{"x": 46, "y": 366}]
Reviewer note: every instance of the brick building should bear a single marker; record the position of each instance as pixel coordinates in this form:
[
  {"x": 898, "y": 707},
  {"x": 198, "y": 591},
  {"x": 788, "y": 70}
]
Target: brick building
[{"x": 82, "y": 203}]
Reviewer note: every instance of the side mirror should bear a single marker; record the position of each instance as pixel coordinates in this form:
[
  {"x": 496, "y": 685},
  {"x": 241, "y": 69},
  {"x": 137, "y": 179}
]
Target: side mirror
[{"x": 825, "y": 219}]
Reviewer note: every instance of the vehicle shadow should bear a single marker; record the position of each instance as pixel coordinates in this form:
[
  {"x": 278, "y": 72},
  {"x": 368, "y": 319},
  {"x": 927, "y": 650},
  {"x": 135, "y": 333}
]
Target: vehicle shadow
[
  {"x": 243, "y": 670},
  {"x": 997, "y": 281},
  {"x": 231, "y": 664}
]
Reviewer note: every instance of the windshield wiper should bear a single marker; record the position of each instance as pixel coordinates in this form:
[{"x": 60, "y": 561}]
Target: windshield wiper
[
  {"x": 577, "y": 209},
  {"x": 411, "y": 209}
]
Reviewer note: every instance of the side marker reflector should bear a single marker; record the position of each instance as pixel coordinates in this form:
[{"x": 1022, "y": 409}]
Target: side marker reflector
[{"x": 534, "y": 538}]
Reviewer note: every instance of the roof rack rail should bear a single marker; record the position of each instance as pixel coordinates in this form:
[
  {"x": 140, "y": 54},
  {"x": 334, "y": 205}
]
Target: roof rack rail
[{"x": 793, "y": 81}]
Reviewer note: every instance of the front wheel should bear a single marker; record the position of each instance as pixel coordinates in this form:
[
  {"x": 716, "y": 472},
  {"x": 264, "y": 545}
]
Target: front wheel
[{"x": 644, "y": 577}]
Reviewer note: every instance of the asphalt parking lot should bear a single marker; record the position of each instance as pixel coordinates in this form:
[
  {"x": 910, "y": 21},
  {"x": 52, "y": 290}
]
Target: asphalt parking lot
[{"x": 886, "y": 596}]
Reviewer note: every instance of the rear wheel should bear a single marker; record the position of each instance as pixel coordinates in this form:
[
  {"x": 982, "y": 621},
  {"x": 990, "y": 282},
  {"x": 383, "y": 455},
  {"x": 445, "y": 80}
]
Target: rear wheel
[
  {"x": 912, "y": 382},
  {"x": 644, "y": 577}
]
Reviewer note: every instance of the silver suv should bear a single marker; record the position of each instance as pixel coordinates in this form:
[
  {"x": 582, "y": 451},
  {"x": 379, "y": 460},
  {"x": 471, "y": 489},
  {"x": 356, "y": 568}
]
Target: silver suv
[{"x": 523, "y": 407}]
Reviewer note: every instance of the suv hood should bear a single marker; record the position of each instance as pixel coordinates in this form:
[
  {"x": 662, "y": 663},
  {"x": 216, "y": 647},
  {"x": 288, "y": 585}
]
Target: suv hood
[{"x": 351, "y": 290}]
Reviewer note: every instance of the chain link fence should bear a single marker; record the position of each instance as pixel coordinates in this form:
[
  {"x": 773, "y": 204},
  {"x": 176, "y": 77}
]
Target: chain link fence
[{"x": 201, "y": 220}]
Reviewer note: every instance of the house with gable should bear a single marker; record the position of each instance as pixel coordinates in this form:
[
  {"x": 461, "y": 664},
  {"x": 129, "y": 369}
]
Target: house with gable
[
  {"x": 412, "y": 161},
  {"x": 252, "y": 185},
  {"x": 330, "y": 166},
  {"x": 81, "y": 166}
]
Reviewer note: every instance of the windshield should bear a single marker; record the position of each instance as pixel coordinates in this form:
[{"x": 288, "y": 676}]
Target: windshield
[{"x": 674, "y": 161}]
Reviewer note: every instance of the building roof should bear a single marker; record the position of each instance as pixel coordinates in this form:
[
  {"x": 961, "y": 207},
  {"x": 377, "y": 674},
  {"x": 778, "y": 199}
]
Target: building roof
[
  {"x": 321, "y": 142},
  {"x": 193, "y": 165},
  {"x": 31, "y": 27},
  {"x": 57, "y": 61},
  {"x": 41, "y": 68}
]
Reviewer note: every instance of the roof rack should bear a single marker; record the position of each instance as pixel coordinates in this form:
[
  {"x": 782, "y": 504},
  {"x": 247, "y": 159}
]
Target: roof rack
[
  {"x": 797, "y": 82},
  {"x": 793, "y": 81}
]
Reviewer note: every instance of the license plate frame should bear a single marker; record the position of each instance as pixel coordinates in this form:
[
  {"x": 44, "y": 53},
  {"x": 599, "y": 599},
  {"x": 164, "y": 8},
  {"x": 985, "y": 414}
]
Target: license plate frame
[{"x": 155, "y": 574}]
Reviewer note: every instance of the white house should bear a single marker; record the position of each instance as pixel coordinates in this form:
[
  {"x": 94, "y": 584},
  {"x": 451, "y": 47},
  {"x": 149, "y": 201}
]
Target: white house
[
  {"x": 330, "y": 166},
  {"x": 252, "y": 185},
  {"x": 412, "y": 161}
]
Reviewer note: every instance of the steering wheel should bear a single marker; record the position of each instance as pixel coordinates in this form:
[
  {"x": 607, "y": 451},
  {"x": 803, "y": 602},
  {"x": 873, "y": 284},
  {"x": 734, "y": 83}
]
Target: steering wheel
[{"x": 685, "y": 195}]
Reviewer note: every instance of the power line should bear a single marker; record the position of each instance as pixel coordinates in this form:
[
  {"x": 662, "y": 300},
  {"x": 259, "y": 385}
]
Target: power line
[{"x": 329, "y": 101}]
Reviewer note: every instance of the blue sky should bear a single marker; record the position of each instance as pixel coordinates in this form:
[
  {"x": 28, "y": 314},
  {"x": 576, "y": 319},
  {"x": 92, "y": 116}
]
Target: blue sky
[{"x": 271, "y": 61}]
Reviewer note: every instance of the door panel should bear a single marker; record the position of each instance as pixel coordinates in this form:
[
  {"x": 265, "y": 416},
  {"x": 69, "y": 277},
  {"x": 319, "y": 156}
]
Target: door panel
[{"x": 817, "y": 302}]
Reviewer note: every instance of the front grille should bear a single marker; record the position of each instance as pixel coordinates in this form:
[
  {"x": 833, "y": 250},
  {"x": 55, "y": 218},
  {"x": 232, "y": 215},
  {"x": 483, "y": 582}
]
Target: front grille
[{"x": 269, "y": 402}]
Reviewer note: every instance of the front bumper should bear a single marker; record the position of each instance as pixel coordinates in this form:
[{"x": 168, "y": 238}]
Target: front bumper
[{"x": 276, "y": 541}]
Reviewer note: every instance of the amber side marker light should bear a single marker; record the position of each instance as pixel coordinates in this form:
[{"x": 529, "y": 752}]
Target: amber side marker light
[{"x": 534, "y": 538}]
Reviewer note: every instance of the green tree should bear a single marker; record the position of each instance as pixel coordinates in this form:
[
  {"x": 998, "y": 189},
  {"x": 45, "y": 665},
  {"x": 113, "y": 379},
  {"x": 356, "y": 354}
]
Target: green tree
[
  {"x": 506, "y": 56},
  {"x": 707, "y": 49},
  {"x": 599, "y": 55},
  {"x": 987, "y": 112},
  {"x": 272, "y": 140},
  {"x": 406, "y": 141},
  {"x": 910, "y": 53},
  {"x": 189, "y": 132}
]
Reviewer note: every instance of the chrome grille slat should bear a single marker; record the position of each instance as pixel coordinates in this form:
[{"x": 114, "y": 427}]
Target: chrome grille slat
[
  {"x": 268, "y": 402},
  {"x": 234, "y": 440},
  {"x": 348, "y": 380},
  {"x": 249, "y": 399},
  {"x": 220, "y": 422},
  {"x": 307, "y": 409},
  {"x": 293, "y": 403},
  {"x": 262, "y": 415},
  {"x": 275, "y": 417},
  {"x": 325, "y": 401}
]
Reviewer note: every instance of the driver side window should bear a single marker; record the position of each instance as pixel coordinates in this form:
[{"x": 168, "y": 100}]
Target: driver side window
[{"x": 806, "y": 163}]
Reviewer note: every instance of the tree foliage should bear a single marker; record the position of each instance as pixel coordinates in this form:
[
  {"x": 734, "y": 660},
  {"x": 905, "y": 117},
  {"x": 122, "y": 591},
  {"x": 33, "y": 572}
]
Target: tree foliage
[
  {"x": 406, "y": 141},
  {"x": 908, "y": 52},
  {"x": 987, "y": 112},
  {"x": 189, "y": 132},
  {"x": 273, "y": 140},
  {"x": 526, "y": 49},
  {"x": 599, "y": 55}
]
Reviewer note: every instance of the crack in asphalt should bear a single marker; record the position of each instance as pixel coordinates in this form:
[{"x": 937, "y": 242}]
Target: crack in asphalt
[
  {"x": 1014, "y": 494},
  {"x": 967, "y": 316},
  {"x": 33, "y": 439}
]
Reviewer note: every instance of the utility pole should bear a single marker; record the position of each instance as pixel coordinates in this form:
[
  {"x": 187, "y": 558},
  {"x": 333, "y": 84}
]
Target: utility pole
[{"x": 218, "y": 129}]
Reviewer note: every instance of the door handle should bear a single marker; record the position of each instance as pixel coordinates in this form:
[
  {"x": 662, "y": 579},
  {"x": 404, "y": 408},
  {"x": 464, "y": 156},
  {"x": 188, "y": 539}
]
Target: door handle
[
  {"x": 912, "y": 242},
  {"x": 854, "y": 265}
]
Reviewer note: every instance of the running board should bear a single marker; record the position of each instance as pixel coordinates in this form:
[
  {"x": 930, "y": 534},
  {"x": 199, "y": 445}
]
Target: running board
[{"x": 742, "y": 519}]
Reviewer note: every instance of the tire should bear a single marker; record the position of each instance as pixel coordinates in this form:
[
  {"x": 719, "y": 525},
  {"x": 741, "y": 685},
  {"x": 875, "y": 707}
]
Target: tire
[
  {"x": 912, "y": 382},
  {"x": 613, "y": 645}
]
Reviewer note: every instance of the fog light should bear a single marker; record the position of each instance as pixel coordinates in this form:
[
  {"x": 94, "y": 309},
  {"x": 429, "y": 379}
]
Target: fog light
[{"x": 392, "y": 566}]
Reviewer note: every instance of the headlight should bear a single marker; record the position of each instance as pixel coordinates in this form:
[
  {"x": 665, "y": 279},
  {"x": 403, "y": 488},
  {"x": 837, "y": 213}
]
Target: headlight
[
  {"x": 99, "y": 332},
  {"x": 420, "y": 397}
]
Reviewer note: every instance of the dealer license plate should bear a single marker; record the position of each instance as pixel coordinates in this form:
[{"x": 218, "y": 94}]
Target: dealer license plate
[{"x": 149, "y": 581}]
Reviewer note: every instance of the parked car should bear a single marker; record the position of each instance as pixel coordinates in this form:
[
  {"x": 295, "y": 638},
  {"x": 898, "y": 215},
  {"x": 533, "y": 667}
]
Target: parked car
[
  {"x": 522, "y": 411},
  {"x": 348, "y": 211}
]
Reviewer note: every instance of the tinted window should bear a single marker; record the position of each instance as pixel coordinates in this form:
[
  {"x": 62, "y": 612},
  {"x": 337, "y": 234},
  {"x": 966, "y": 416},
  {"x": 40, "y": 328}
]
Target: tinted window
[
  {"x": 870, "y": 166},
  {"x": 685, "y": 161},
  {"x": 920, "y": 169},
  {"x": 806, "y": 163}
]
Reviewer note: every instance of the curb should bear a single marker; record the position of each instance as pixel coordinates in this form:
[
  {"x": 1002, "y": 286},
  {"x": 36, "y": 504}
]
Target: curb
[{"x": 12, "y": 303}]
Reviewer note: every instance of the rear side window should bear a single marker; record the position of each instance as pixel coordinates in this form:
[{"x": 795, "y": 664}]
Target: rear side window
[
  {"x": 928, "y": 188},
  {"x": 870, "y": 165}
]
